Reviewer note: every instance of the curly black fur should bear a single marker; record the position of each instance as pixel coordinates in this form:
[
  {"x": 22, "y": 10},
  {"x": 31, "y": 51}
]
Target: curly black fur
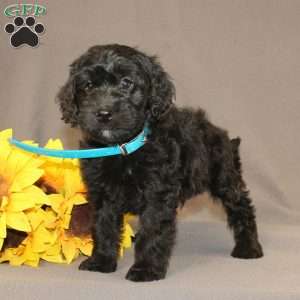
[{"x": 110, "y": 94}]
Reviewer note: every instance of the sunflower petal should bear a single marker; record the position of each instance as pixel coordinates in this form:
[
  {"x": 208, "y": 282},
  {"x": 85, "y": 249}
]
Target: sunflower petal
[
  {"x": 3, "y": 226},
  {"x": 73, "y": 182},
  {"x": 53, "y": 258},
  {"x": 50, "y": 219},
  {"x": 32, "y": 263},
  {"x": 5, "y": 150},
  {"x": 68, "y": 250},
  {"x": 6, "y": 254},
  {"x": 126, "y": 239},
  {"x": 4, "y": 202},
  {"x": 20, "y": 201},
  {"x": 29, "y": 253},
  {"x": 6, "y": 134},
  {"x": 37, "y": 194},
  {"x": 20, "y": 158},
  {"x": 56, "y": 201},
  {"x": 18, "y": 221},
  {"x": 53, "y": 253},
  {"x": 54, "y": 144},
  {"x": 13, "y": 160},
  {"x": 78, "y": 199},
  {"x": 42, "y": 239},
  {"x": 36, "y": 217},
  {"x": 87, "y": 248},
  {"x": 66, "y": 221},
  {"x": 24, "y": 178},
  {"x": 16, "y": 260}
]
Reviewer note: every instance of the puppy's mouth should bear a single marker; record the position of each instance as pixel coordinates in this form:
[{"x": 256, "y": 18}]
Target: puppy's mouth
[
  {"x": 112, "y": 136},
  {"x": 121, "y": 128}
]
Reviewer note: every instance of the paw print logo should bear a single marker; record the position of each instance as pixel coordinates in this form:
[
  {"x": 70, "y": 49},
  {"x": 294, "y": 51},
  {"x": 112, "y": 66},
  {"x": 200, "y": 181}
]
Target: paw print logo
[{"x": 24, "y": 31}]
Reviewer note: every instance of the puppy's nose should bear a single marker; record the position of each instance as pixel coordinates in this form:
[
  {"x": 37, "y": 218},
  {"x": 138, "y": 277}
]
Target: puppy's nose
[{"x": 104, "y": 115}]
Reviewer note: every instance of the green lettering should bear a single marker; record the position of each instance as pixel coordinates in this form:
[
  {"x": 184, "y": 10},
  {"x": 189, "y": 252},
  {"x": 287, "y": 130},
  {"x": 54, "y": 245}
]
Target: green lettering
[
  {"x": 12, "y": 10},
  {"x": 26, "y": 9},
  {"x": 39, "y": 10}
]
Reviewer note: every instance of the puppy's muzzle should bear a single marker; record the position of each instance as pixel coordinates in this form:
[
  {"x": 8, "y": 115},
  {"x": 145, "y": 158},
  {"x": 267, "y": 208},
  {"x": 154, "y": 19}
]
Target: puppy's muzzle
[{"x": 104, "y": 116}]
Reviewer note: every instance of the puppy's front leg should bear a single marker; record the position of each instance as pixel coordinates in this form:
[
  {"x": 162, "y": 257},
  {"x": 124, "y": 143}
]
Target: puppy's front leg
[
  {"x": 153, "y": 244},
  {"x": 106, "y": 236}
]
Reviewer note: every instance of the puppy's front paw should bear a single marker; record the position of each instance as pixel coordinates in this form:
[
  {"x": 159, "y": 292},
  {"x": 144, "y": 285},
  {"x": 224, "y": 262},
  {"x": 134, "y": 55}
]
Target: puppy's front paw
[
  {"x": 103, "y": 265},
  {"x": 140, "y": 274},
  {"x": 246, "y": 249}
]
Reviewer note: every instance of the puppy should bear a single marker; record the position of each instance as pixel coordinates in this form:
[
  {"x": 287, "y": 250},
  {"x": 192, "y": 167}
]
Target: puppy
[{"x": 112, "y": 92}]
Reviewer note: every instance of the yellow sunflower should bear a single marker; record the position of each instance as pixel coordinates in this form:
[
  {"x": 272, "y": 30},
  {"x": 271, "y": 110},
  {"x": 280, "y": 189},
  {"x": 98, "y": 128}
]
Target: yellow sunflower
[
  {"x": 38, "y": 195},
  {"x": 19, "y": 170}
]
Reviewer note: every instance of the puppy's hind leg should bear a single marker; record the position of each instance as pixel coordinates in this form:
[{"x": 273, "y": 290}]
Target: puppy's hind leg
[{"x": 229, "y": 187}]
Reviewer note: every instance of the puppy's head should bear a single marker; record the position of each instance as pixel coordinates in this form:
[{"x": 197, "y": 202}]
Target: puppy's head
[{"x": 112, "y": 91}]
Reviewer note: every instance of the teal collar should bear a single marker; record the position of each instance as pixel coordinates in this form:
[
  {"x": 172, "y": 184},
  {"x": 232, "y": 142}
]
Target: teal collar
[{"x": 124, "y": 149}]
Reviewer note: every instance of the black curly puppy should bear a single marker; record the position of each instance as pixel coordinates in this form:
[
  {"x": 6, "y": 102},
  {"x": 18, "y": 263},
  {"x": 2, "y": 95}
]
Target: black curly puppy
[{"x": 112, "y": 91}]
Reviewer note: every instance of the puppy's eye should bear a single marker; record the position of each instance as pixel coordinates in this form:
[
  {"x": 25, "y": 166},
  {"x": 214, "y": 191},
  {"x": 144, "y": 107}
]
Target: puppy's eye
[
  {"x": 126, "y": 83},
  {"x": 88, "y": 86}
]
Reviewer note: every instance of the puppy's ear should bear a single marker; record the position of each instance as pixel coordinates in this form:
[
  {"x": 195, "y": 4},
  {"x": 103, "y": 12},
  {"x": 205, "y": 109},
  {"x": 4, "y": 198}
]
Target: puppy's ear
[
  {"x": 162, "y": 90},
  {"x": 67, "y": 102},
  {"x": 66, "y": 97}
]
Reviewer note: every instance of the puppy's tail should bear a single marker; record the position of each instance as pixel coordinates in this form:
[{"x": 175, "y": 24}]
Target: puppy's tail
[{"x": 235, "y": 145}]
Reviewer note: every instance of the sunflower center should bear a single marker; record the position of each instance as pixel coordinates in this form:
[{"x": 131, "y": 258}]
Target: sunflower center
[{"x": 3, "y": 187}]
